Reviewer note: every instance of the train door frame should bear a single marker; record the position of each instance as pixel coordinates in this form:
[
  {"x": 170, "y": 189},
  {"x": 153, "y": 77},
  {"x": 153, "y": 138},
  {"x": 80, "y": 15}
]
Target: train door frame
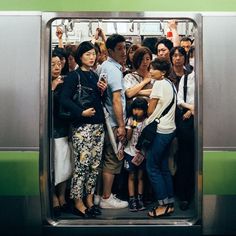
[{"x": 88, "y": 227}]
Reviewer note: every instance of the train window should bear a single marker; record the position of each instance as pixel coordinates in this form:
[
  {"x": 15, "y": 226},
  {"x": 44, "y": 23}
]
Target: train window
[{"x": 70, "y": 191}]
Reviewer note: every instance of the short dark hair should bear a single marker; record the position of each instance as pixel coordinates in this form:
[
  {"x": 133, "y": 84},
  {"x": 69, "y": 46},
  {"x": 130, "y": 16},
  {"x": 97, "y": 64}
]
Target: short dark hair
[
  {"x": 83, "y": 47},
  {"x": 181, "y": 51},
  {"x": 140, "y": 103},
  {"x": 113, "y": 40},
  {"x": 54, "y": 54},
  {"x": 60, "y": 52},
  {"x": 161, "y": 65},
  {"x": 168, "y": 43},
  {"x": 138, "y": 56},
  {"x": 185, "y": 39},
  {"x": 150, "y": 43}
]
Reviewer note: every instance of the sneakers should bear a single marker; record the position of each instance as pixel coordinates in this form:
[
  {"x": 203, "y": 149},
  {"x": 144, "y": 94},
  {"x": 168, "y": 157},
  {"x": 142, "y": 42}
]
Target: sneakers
[
  {"x": 140, "y": 204},
  {"x": 136, "y": 204},
  {"x": 112, "y": 203},
  {"x": 96, "y": 199},
  {"x": 132, "y": 205}
]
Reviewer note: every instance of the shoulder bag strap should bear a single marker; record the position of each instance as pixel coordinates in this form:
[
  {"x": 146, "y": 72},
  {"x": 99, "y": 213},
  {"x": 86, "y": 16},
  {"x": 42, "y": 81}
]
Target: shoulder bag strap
[
  {"x": 79, "y": 83},
  {"x": 78, "y": 89},
  {"x": 185, "y": 86},
  {"x": 170, "y": 105},
  {"x": 135, "y": 74},
  {"x": 78, "y": 76}
]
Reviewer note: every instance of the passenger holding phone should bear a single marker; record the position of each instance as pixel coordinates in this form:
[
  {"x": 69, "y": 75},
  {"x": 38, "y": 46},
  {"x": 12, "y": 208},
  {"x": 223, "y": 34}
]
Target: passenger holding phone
[
  {"x": 102, "y": 82},
  {"x": 115, "y": 105},
  {"x": 87, "y": 131}
]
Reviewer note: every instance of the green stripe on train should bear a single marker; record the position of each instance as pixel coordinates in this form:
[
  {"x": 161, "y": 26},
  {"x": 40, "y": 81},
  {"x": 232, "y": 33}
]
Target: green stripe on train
[
  {"x": 19, "y": 173},
  {"x": 121, "y": 5},
  {"x": 219, "y": 173}
]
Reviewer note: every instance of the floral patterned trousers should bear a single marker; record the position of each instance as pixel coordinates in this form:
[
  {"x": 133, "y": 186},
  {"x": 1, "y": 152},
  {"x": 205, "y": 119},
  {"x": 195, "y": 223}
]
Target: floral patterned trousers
[{"x": 87, "y": 141}]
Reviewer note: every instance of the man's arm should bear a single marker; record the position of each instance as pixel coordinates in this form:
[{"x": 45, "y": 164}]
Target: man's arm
[
  {"x": 172, "y": 24},
  {"x": 59, "y": 34},
  {"x": 118, "y": 111}
]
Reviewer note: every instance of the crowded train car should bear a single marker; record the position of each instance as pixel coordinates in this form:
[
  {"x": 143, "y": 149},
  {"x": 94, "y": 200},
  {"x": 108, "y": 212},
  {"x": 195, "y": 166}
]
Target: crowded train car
[{"x": 117, "y": 122}]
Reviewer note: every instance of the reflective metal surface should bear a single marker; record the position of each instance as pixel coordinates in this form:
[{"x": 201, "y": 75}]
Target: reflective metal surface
[
  {"x": 20, "y": 216},
  {"x": 219, "y": 215},
  {"x": 20, "y": 80},
  {"x": 19, "y": 84},
  {"x": 45, "y": 148},
  {"x": 219, "y": 81}
]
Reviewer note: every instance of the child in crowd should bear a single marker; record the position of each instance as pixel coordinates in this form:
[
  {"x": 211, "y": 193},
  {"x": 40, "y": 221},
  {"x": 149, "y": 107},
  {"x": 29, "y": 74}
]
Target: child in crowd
[{"x": 134, "y": 160}]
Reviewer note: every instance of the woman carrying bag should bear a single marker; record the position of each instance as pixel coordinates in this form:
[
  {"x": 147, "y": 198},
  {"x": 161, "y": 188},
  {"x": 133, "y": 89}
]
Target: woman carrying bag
[
  {"x": 87, "y": 129},
  {"x": 162, "y": 95}
]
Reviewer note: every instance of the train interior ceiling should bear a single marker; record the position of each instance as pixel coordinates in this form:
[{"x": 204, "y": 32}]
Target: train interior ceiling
[{"x": 79, "y": 30}]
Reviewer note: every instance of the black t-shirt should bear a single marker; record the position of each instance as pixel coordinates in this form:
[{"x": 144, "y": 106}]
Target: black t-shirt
[{"x": 88, "y": 79}]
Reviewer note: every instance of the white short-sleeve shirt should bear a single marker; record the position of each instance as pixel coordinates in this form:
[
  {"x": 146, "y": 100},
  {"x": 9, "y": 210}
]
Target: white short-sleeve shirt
[
  {"x": 164, "y": 91},
  {"x": 190, "y": 89}
]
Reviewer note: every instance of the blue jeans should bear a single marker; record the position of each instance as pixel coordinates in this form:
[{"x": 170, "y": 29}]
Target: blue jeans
[{"x": 158, "y": 169}]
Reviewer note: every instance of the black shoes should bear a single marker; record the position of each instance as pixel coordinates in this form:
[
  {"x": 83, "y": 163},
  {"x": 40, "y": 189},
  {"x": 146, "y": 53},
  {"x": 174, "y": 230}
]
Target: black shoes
[
  {"x": 94, "y": 210},
  {"x": 57, "y": 211},
  {"x": 184, "y": 205},
  {"x": 86, "y": 215},
  {"x": 91, "y": 212},
  {"x": 65, "y": 208}
]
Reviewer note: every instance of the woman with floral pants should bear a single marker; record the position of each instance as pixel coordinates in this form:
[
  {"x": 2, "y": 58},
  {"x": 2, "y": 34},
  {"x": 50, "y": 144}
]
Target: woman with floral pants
[{"x": 87, "y": 130}]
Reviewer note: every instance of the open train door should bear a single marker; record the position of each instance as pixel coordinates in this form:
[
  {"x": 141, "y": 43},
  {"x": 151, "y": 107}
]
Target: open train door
[{"x": 116, "y": 222}]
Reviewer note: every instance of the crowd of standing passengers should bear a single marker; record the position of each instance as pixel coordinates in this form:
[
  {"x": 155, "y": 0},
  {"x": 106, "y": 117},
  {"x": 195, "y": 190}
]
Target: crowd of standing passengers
[{"x": 141, "y": 81}]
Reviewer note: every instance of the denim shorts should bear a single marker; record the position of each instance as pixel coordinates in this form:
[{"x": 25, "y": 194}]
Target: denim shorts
[{"x": 130, "y": 167}]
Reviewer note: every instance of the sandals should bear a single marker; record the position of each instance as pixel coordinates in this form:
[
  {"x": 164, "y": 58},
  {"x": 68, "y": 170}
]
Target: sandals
[{"x": 164, "y": 210}]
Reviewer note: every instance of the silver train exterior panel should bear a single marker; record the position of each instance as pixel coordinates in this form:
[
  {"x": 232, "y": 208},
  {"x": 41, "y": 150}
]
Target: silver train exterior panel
[{"x": 24, "y": 117}]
